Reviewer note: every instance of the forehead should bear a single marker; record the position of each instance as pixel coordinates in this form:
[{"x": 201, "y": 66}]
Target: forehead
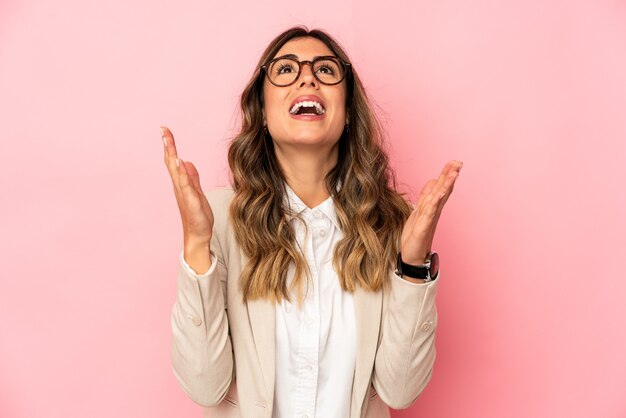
[{"x": 305, "y": 48}]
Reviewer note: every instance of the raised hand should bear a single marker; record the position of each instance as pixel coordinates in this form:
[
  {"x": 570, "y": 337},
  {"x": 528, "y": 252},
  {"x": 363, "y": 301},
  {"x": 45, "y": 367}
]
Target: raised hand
[
  {"x": 195, "y": 211},
  {"x": 419, "y": 229}
]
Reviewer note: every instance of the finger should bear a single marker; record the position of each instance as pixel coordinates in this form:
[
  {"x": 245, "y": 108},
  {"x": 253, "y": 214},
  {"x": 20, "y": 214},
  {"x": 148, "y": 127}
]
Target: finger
[
  {"x": 194, "y": 177},
  {"x": 451, "y": 166},
  {"x": 170, "y": 144},
  {"x": 432, "y": 204},
  {"x": 183, "y": 176},
  {"x": 440, "y": 197},
  {"x": 188, "y": 192},
  {"x": 410, "y": 222},
  {"x": 195, "y": 182},
  {"x": 172, "y": 163},
  {"x": 427, "y": 212},
  {"x": 451, "y": 169},
  {"x": 426, "y": 190},
  {"x": 443, "y": 198},
  {"x": 448, "y": 186},
  {"x": 435, "y": 186},
  {"x": 170, "y": 152},
  {"x": 428, "y": 198}
]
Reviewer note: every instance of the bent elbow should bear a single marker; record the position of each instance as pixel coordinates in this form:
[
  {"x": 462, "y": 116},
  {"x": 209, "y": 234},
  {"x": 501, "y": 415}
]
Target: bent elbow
[
  {"x": 204, "y": 389},
  {"x": 405, "y": 399},
  {"x": 205, "y": 382}
]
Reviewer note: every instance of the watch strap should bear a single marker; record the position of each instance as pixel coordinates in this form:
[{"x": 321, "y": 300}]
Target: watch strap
[{"x": 412, "y": 271}]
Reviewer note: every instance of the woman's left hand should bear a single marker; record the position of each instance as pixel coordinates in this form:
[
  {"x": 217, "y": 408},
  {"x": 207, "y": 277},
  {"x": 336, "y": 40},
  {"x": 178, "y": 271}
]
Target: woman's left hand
[{"x": 419, "y": 229}]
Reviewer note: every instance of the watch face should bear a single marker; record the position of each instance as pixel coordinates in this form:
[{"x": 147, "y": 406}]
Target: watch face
[{"x": 434, "y": 265}]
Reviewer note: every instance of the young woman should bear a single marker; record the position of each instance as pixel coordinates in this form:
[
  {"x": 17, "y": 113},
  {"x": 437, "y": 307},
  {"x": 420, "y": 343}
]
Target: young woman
[{"x": 307, "y": 288}]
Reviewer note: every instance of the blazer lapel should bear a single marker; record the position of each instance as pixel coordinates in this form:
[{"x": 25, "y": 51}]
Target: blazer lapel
[
  {"x": 262, "y": 316},
  {"x": 368, "y": 311}
]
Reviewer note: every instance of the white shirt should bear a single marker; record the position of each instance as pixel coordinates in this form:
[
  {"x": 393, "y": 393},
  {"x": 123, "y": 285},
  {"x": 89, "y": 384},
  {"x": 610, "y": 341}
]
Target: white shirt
[{"x": 315, "y": 343}]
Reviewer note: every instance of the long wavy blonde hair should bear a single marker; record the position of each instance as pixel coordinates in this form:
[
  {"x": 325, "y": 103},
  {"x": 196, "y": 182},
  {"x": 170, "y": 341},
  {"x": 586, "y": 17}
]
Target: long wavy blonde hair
[{"x": 369, "y": 209}]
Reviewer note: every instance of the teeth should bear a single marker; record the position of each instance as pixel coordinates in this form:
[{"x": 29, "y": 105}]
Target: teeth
[{"x": 318, "y": 107}]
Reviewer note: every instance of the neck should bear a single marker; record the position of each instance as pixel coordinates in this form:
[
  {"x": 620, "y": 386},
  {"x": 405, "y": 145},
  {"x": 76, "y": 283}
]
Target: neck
[{"x": 305, "y": 168}]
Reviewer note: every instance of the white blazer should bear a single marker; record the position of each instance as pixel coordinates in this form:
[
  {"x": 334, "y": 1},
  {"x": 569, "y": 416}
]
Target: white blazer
[{"x": 223, "y": 350}]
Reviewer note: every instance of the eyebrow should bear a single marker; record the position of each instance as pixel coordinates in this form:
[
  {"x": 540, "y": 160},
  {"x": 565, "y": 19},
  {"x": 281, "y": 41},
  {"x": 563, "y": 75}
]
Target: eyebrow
[{"x": 294, "y": 56}]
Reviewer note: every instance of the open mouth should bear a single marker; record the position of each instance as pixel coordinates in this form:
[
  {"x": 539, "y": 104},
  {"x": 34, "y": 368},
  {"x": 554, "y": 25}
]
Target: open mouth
[{"x": 307, "y": 107}]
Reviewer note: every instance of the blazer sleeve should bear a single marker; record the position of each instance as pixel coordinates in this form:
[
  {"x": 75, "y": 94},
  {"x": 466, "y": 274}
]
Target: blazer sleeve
[
  {"x": 201, "y": 350},
  {"x": 406, "y": 350}
]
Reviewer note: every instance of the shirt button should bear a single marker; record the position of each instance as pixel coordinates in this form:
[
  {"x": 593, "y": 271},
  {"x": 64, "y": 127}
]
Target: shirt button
[
  {"x": 197, "y": 321},
  {"x": 308, "y": 369},
  {"x": 426, "y": 325},
  {"x": 308, "y": 320},
  {"x": 322, "y": 232},
  {"x": 317, "y": 215},
  {"x": 305, "y": 416}
]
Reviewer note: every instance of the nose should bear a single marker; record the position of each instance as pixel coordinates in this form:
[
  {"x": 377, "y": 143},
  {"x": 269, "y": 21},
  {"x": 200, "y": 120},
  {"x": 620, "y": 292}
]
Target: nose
[{"x": 306, "y": 75}]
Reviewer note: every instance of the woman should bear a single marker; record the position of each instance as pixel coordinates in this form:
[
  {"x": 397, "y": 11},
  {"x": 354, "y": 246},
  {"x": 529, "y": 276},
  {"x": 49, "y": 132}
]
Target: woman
[{"x": 295, "y": 296}]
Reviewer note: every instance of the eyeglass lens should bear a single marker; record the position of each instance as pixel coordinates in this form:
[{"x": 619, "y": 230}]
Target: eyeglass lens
[{"x": 285, "y": 70}]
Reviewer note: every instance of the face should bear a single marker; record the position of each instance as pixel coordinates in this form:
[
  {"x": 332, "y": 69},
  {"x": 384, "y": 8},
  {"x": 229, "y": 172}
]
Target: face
[{"x": 287, "y": 128}]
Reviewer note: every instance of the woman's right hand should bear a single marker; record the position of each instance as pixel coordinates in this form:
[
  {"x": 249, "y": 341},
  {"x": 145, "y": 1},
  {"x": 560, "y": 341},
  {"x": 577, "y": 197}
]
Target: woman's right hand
[{"x": 195, "y": 211}]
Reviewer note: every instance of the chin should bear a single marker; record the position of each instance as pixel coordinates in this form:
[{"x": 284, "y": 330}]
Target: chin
[
  {"x": 306, "y": 132},
  {"x": 307, "y": 137},
  {"x": 311, "y": 139},
  {"x": 313, "y": 136}
]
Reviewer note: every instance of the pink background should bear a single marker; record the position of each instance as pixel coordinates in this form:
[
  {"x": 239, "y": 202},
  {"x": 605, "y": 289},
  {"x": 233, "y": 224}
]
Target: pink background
[{"x": 531, "y": 95}]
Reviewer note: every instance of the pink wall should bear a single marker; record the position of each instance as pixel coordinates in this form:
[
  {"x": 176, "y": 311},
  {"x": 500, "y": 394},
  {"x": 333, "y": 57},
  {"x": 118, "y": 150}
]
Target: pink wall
[{"x": 530, "y": 95}]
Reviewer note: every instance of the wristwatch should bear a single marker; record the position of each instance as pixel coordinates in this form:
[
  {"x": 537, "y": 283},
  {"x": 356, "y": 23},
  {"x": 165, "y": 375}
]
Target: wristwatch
[{"x": 428, "y": 271}]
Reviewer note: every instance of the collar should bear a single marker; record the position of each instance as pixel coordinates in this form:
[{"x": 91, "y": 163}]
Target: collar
[{"x": 297, "y": 206}]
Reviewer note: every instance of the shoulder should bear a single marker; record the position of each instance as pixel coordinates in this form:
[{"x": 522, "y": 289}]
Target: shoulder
[{"x": 220, "y": 197}]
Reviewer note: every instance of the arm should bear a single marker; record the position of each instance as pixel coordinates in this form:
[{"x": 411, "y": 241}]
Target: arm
[
  {"x": 201, "y": 351},
  {"x": 406, "y": 350}
]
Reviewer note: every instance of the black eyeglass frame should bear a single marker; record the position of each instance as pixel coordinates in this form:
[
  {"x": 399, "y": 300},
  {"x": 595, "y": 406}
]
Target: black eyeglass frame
[{"x": 347, "y": 67}]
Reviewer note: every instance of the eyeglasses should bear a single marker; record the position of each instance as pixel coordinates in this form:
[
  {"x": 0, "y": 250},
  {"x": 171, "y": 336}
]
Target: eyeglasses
[{"x": 284, "y": 71}]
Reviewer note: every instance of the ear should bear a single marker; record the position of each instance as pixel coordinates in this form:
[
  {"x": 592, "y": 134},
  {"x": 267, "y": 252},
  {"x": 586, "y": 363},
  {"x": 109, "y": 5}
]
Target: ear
[{"x": 262, "y": 103}]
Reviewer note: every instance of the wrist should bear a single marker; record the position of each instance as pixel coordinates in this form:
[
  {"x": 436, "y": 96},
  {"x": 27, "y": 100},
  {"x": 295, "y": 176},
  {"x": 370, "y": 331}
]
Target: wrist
[
  {"x": 193, "y": 243},
  {"x": 419, "y": 272},
  {"x": 416, "y": 260},
  {"x": 197, "y": 255}
]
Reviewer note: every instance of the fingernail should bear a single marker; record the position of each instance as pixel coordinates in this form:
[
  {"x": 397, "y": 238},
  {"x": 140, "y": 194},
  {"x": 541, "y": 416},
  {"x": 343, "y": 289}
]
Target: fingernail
[
  {"x": 164, "y": 141},
  {"x": 177, "y": 163},
  {"x": 162, "y": 133},
  {"x": 441, "y": 195},
  {"x": 460, "y": 165}
]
